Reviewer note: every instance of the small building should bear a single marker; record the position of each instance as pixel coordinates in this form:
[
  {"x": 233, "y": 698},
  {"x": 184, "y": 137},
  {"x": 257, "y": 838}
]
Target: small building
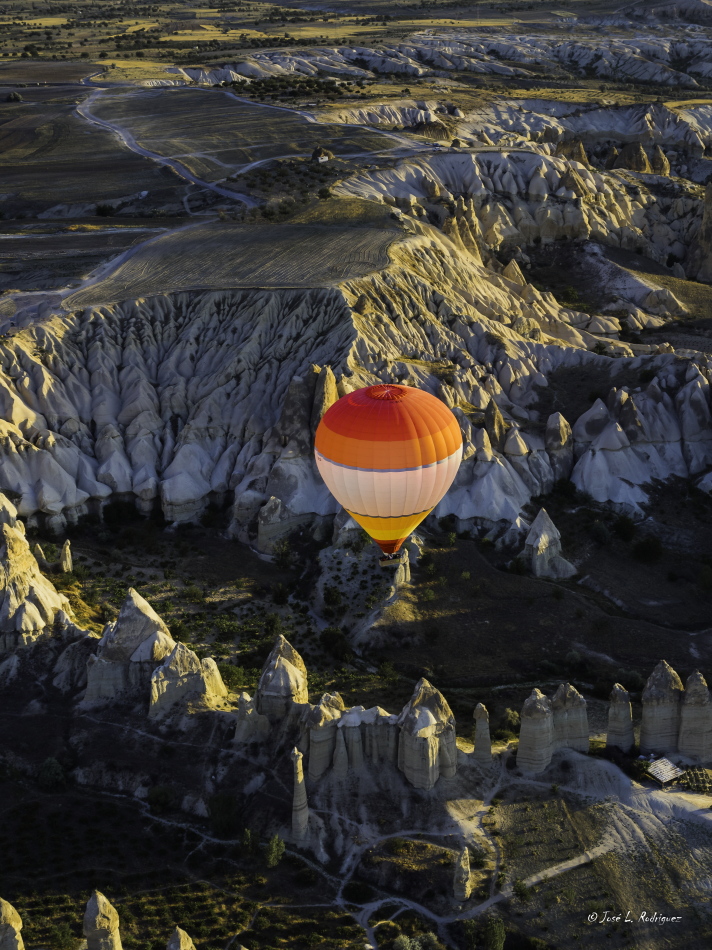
[{"x": 664, "y": 772}]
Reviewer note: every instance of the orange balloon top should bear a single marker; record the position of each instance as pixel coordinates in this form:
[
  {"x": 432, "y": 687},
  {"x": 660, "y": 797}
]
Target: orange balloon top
[{"x": 388, "y": 428}]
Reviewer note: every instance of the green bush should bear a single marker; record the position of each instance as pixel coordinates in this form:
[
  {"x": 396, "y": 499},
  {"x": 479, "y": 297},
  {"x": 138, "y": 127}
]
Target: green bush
[
  {"x": 62, "y": 938},
  {"x": 493, "y": 934},
  {"x": 521, "y": 891},
  {"x": 234, "y": 677},
  {"x": 274, "y": 852}
]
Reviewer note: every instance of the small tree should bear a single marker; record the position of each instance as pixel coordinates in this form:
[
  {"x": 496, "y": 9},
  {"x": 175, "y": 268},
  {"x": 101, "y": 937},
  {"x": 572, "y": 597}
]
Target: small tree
[
  {"x": 14, "y": 97},
  {"x": 275, "y": 850},
  {"x": 249, "y": 843},
  {"x": 493, "y": 934}
]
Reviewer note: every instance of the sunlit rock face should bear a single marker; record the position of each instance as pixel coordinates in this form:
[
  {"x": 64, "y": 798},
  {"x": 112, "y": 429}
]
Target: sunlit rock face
[
  {"x": 536, "y": 736},
  {"x": 283, "y": 681},
  {"x": 426, "y": 746},
  {"x": 29, "y": 602},
  {"x": 129, "y": 651},
  {"x": 695, "y": 739},
  {"x": 662, "y": 697}
]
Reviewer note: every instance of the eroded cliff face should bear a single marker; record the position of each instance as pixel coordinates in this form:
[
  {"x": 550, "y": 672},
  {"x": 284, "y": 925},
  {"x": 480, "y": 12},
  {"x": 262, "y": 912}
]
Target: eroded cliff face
[{"x": 175, "y": 401}]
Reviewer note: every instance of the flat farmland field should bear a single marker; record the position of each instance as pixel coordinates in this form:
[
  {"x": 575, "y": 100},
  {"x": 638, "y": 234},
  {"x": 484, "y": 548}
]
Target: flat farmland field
[
  {"x": 49, "y": 156},
  {"x": 45, "y": 72},
  {"x": 48, "y": 261},
  {"x": 225, "y": 255},
  {"x": 213, "y": 134}
]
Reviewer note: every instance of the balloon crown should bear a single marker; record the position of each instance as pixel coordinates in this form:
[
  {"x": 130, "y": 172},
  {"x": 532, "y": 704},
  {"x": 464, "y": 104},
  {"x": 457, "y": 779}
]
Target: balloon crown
[{"x": 387, "y": 391}]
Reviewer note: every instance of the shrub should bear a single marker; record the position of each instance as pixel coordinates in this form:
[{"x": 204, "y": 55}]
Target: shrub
[
  {"x": 159, "y": 798},
  {"x": 600, "y": 532},
  {"x": 51, "y": 775},
  {"x": 521, "y": 891},
  {"x": 358, "y": 892},
  {"x": 14, "y": 97},
  {"x": 275, "y": 850},
  {"x": 234, "y": 677},
  {"x": 62, "y": 938},
  {"x": 282, "y": 553},
  {"x": 511, "y": 720},
  {"x": 104, "y": 211},
  {"x": 648, "y": 550},
  {"x": 428, "y": 594},
  {"x": 493, "y": 934}
]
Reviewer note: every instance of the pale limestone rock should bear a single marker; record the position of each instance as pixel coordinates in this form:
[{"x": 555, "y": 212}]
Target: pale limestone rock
[
  {"x": 570, "y": 719},
  {"x": 250, "y": 726},
  {"x": 426, "y": 745},
  {"x": 29, "y": 603},
  {"x": 300, "y": 806},
  {"x": 620, "y": 720},
  {"x": 660, "y": 725},
  {"x": 10, "y": 927},
  {"x": 101, "y": 924},
  {"x": 483, "y": 743},
  {"x": 341, "y": 758},
  {"x": 130, "y": 649},
  {"x": 180, "y": 941},
  {"x": 695, "y": 740},
  {"x": 321, "y": 724},
  {"x": 462, "y": 886},
  {"x": 536, "y": 735},
  {"x": 559, "y": 446},
  {"x": 183, "y": 673},
  {"x": 283, "y": 681},
  {"x": 65, "y": 558},
  {"x": 543, "y": 549}
]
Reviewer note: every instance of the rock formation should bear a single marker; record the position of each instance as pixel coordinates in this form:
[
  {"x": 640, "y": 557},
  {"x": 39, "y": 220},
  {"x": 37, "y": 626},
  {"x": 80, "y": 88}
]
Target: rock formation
[
  {"x": 542, "y": 549},
  {"x": 183, "y": 674},
  {"x": 426, "y": 746},
  {"x": 300, "y": 806},
  {"x": 10, "y": 927},
  {"x": 700, "y": 258},
  {"x": 536, "y": 735},
  {"x": 29, "y": 603},
  {"x": 482, "y": 741},
  {"x": 660, "y": 725},
  {"x": 250, "y": 726},
  {"x": 322, "y": 725},
  {"x": 283, "y": 681},
  {"x": 559, "y": 445},
  {"x": 620, "y": 733},
  {"x": 65, "y": 558},
  {"x": 101, "y": 924},
  {"x": 130, "y": 649},
  {"x": 462, "y": 886},
  {"x": 180, "y": 941},
  {"x": 659, "y": 162},
  {"x": 570, "y": 719},
  {"x": 633, "y": 157},
  {"x": 695, "y": 739}
]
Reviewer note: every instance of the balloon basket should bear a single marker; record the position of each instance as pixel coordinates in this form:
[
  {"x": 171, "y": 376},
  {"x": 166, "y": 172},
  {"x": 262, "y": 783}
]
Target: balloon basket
[{"x": 393, "y": 562}]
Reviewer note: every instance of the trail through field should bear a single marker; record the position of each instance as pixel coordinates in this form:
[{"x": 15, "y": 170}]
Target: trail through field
[{"x": 84, "y": 110}]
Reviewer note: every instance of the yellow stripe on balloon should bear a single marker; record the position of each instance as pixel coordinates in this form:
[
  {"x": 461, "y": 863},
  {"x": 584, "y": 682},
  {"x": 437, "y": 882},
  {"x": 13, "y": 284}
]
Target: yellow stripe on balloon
[{"x": 390, "y": 529}]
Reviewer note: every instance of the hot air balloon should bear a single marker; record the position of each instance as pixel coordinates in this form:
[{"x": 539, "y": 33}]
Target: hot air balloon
[{"x": 388, "y": 454}]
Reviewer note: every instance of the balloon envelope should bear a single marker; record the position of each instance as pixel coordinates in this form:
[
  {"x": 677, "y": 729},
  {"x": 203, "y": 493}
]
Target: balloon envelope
[{"x": 388, "y": 454}]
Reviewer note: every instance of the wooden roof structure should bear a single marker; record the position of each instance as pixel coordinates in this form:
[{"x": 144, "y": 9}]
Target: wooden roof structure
[{"x": 663, "y": 771}]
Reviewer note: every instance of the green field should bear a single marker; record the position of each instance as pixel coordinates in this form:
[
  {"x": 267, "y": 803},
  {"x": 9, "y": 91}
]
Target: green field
[
  {"x": 224, "y": 255},
  {"x": 214, "y": 134}
]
